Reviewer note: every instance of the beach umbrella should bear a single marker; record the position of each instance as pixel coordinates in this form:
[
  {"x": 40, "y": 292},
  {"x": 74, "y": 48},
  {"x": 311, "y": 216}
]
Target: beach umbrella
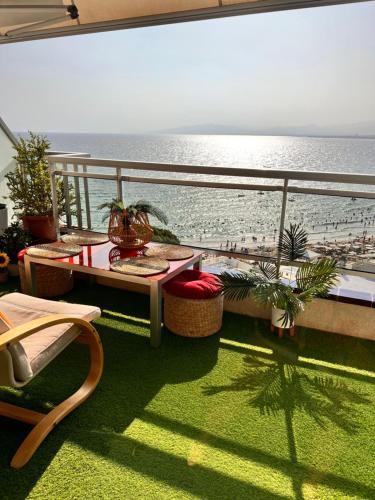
[{"x": 311, "y": 255}]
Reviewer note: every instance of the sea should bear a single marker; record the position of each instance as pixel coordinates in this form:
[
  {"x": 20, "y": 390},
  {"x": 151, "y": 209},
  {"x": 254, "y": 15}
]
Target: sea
[{"x": 236, "y": 219}]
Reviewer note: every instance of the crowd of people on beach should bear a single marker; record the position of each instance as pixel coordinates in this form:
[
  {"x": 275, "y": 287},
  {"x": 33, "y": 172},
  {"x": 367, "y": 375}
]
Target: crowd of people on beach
[{"x": 341, "y": 230}]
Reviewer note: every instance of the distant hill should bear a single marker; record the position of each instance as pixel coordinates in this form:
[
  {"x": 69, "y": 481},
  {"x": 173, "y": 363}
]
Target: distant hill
[{"x": 364, "y": 129}]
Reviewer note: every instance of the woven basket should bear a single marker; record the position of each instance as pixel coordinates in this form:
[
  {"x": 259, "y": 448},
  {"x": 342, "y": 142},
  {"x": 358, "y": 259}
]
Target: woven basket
[
  {"x": 192, "y": 317},
  {"x": 50, "y": 281},
  {"x": 137, "y": 235}
]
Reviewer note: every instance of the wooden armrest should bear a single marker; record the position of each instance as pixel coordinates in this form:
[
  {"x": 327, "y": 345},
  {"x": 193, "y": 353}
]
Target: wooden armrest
[{"x": 19, "y": 332}]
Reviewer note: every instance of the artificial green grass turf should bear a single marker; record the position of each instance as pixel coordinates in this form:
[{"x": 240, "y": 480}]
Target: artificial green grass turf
[{"x": 235, "y": 416}]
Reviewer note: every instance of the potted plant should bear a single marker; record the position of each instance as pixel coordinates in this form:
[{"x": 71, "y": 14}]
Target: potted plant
[
  {"x": 129, "y": 227},
  {"x": 4, "y": 261},
  {"x": 286, "y": 295},
  {"x": 30, "y": 187},
  {"x": 14, "y": 239}
]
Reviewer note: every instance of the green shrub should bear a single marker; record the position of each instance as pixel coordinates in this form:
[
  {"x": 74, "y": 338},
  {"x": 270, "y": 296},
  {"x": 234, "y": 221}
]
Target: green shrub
[
  {"x": 14, "y": 239},
  {"x": 29, "y": 184},
  {"x": 164, "y": 236}
]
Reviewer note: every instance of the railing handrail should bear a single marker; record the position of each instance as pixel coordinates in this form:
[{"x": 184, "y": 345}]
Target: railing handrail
[
  {"x": 67, "y": 154},
  {"x": 266, "y": 173},
  {"x": 218, "y": 185}
]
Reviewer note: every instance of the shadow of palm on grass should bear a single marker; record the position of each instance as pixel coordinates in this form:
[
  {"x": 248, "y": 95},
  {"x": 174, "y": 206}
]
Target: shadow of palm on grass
[{"x": 276, "y": 385}]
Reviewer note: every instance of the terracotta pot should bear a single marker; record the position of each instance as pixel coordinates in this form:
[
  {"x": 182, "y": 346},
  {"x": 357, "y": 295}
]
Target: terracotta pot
[
  {"x": 3, "y": 276},
  {"x": 13, "y": 270},
  {"x": 40, "y": 226},
  {"x": 277, "y": 321}
]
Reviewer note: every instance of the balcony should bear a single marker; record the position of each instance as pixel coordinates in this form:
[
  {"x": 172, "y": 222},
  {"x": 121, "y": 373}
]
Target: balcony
[
  {"x": 238, "y": 415},
  {"x": 241, "y": 414}
]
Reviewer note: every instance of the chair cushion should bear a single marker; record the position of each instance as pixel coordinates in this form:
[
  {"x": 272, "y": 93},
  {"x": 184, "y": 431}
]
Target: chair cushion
[
  {"x": 21, "y": 366},
  {"x": 193, "y": 284},
  {"x": 5, "y": 323},
  {"x": 41, "y": 347}
]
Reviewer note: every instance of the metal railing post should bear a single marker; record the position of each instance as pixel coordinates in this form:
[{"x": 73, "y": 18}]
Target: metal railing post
[
  {"x": 68, "y": 214},
  {"x": 55, "y": 210},
  {"x": 282, "y": 222},
  {"x": 77, "y": 198},
  {"x": 119, "y": 184},
  {"x": 87, "y": 198}
]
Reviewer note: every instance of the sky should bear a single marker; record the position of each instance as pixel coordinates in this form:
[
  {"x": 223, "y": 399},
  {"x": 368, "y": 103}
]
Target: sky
[{"x": 297, "y": 68}]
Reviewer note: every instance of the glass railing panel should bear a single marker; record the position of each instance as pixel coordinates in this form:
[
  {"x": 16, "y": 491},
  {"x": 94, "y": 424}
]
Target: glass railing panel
[
  {"x": 341, "y": 228},
  {"x": 242, "y": 222},
  {"x": 98, "y": 191},
  {"x": 236, "y": 227}
]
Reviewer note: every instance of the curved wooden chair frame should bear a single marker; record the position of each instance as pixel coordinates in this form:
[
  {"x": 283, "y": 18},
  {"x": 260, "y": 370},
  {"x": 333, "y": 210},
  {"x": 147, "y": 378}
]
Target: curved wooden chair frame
[{"x": 44, "y": 423}]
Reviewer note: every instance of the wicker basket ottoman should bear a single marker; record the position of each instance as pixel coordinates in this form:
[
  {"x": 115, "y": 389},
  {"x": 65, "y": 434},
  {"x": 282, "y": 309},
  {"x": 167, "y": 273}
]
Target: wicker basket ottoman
[
  {"x": 50, "y": 281},
  {"x": 193, "y": 305}
]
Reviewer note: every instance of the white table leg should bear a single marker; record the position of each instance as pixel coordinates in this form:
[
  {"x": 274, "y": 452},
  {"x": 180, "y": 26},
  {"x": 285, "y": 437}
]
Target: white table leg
[
  {"x": 198, "y": 265},
  {"x": 155, "y": 314}
]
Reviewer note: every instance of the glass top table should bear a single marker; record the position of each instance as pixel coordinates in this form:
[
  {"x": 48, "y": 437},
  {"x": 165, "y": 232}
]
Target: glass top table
[{"x": 96, "y": 261}]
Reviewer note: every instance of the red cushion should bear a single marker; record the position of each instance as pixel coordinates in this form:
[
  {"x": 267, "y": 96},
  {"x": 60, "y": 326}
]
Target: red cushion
[{"x": 193, "y": 284}]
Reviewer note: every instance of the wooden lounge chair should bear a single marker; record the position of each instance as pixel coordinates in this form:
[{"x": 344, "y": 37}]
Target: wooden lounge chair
[{"x": 33, "y": 332}]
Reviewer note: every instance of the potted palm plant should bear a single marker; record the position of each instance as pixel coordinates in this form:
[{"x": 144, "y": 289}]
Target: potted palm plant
[
  {"x": 129, "y": 226},
  {"x": 30, "y": 187},
  {"x": 287, "y": 295}
]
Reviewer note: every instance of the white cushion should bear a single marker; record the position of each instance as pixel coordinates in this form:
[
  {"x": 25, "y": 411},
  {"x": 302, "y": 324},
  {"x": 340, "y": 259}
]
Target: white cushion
[
  {"x": 21, "y": 366},
  {"x": 41, "y": 347}
]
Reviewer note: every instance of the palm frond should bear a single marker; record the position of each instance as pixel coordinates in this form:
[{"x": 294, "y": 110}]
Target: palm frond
[
  {"x": 292, "y": 307},
  {"x": 111, "y": 206},
  {"x": 269, "y": 270},
  {"x": 292, "y": 244},
  {"x": 316, "y": 279},
  {"x": 144, "y": 207},
  {"x": 280, "y": 296},
  {"x": 268, "y": 294},
  {"x": 238, "y": 285},
  {"x": 271, "y": 293}
]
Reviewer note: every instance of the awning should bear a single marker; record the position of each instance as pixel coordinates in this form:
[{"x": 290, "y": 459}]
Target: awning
[{"x": 33, "y": 19}]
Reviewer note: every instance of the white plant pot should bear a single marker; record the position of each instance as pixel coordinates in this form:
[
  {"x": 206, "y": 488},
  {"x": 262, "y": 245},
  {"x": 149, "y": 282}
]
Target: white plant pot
[{"x": 276, "y": 318}]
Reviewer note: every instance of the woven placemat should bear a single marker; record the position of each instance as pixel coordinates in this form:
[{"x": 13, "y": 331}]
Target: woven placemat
[
  {"x": 140, "y": 266},
  {"x": 54, "y": 250},
  {"x": 85, "y": 238},
  {"x": 169, "y": 252}
]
